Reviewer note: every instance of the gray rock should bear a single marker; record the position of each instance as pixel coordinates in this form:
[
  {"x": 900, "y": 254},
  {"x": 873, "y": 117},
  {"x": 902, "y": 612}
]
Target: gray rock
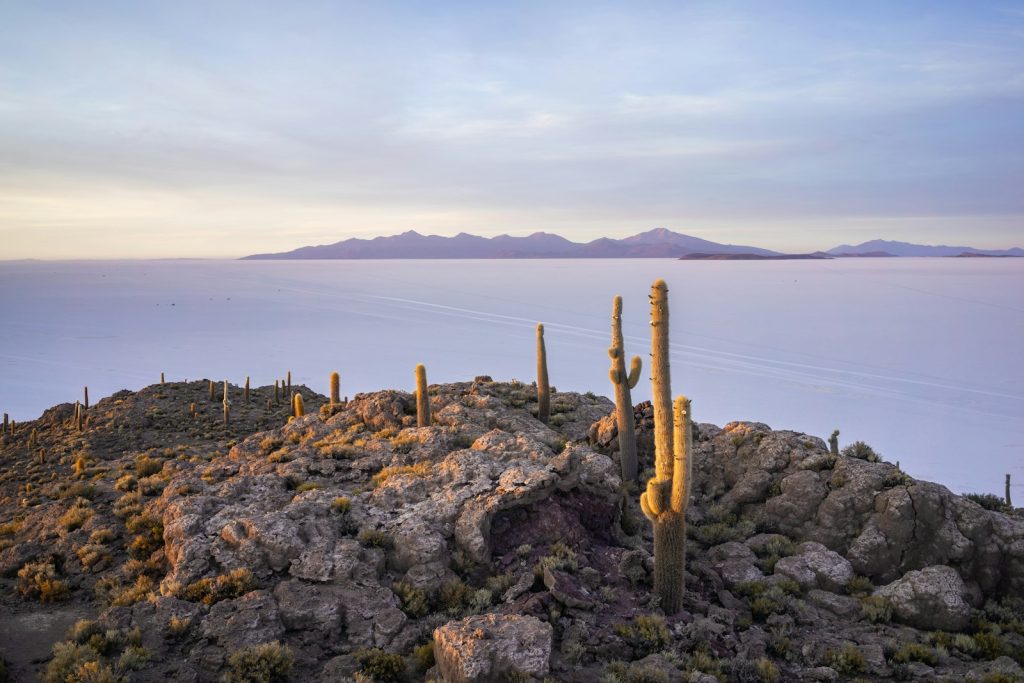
[
  {"x": 735, "y": 563},
  {"x": 932, "y": 598},
  {"x": 488, "y": 647},
  {"x": 816, "y": 567}
]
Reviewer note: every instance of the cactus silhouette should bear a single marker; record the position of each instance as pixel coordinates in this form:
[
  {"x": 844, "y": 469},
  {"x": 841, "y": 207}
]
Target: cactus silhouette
[
  {"x": 623, "y": 401},
  {"x": 86, "y": 393},
  {"x": 161, "y": 378},
  {"x": 277, "y": 391},
  {"x": 335, "y": 388},
  {"x": 1009, "y": 503},
  {"x": 833, "y": 443},
  {"x": 297, "y": 406},
  {"x": 227, "y": 404},
  {"x": 7, "y": 423},
  {"x": 211, "y": 391},
  {"x": 422, "y": 398},
  {"x": 667, "y": 495},
  {"x": 289, "y": 381},
  {"x": 543, "y": 389},
  {"x": 247, "y": 388}
]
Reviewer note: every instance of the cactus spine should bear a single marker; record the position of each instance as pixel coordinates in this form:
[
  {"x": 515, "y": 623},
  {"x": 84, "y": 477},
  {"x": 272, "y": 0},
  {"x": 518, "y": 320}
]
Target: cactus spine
[
  {"x": 667, "y": 495},
  {"x": 227, "y": 404},
  {"x": 247, "y": 388},
  {"x": 335, "y": 388},
  {"x": 833, "y": 443},
  {"x": 623, "y": 401},
  {"x": 543, "y": 389},
  {"x": 422, "y": 398},
  {"x": 1009, "y": 504},
  {"x": 297, "y": 406},
  {"x": 86, "y": 392}
]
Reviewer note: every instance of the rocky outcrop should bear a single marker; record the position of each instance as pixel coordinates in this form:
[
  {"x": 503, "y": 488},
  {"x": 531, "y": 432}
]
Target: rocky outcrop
[{"x": 492, "y": 647}]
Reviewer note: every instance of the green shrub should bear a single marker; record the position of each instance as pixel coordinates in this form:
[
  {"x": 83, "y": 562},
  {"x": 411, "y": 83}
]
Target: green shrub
[
  {"x": 413, "y": 600},
  {"x": 75, "y": 517},
  {"x": 914, "y": 652},
  {"x": 380, "y": 665},
  {"x": 423, "y": 655},
  {"x": 862, "y": 451},
  {"x": 848, "y": 660},
  {"x": 646, "y": 634},
  {"x": 454, "y": 595},
  {"x": 373, "y": 538},
  {"x": 876, "y": 609},
  {"x": 766, "y": 670},
  {"x": 860, "y": 586},
  {"x": 208, "y": 591},
  {"x": 341, "y": 505},
  {"x": 987, "y": 501},
  {"x": 266, "y": 663}
]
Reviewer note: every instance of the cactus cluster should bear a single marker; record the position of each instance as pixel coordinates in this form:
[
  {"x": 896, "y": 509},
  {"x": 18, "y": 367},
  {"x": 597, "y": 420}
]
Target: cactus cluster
[
  {"x": 667, "y": 495},
  {"x": 543, "y": 388},
  {"x": 623, "y": 382}
]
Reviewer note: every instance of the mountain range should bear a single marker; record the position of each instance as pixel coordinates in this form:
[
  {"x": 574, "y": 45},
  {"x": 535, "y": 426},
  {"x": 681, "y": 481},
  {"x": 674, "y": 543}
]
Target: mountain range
[{"x": 657, "y": 243}]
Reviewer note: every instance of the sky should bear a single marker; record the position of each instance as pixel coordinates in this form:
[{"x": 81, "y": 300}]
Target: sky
[{"x": 219, "y": 128}]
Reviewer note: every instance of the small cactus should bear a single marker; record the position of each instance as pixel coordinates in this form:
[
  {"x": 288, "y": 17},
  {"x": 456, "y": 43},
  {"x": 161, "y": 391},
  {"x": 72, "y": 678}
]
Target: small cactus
[
  {"x": 623, "y": 401},
  {"x": 297, "y": 406},
  {"x": 667, "y": 495},
  {"x": 543, "y": 388},
  {"x": 270, "y": 405},
  {"x": 227, "y": 404},
  {"x": 85, "y": 391},
  {"x": 833, "y": 443},
  {"x": 42, "y": 456},
  {"x": 247, "y": 388},
  {"x": 335, "y": 389},
  {"x": 422, "y": 398},
  {"x": 211, "y": 391},
  {"x": 80, "y": 466},
  {"x": 32, "y": 437},
  {"x": 192, "y": 410}
]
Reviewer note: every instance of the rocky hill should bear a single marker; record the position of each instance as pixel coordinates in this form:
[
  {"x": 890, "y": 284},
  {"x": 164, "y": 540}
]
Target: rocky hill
[{"x": 350, "y": 544}]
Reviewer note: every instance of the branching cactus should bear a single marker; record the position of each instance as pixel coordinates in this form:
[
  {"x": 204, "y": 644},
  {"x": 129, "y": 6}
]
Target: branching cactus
[
  {"x": 297, "y": 405},
  {"x": 833, "y": 443},
  {"x": 543, "y": 388},
  {"x": 664, "y": 502},
  {"x": 335, "y": 389},
  {"x": 422, "y": 397},
  {"x": 227, "y": 404},
  {"x": 623, "y": 401}
]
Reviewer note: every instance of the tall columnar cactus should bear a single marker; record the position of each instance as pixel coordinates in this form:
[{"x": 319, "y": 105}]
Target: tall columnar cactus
[
  {"x": 422, "y": 397},
  {"x": 7, "y": 423},
  {"x": 665, "y": 500},
  {"x": 192, "y": 410},
  {"x": 227, "y": 404},
  {"x": 277, "y": 391},
  {"x": 211, "y": 391},
  {"x": 1009, "y": 503},
  {"x": 335, "y": 388},
  {"x": 289, "y": 381},
  {"x": 161, "y": 378},
  {"x": 543, "y": 388},
  {"x": 79, "y": 416},
  {"x": 833, "y": 443},
  {"x": 298, "y": 407},
  {"x": 85, "y": 391},
  {"x": 247, "y": 388},
  {"x": 623, "y": 401}
]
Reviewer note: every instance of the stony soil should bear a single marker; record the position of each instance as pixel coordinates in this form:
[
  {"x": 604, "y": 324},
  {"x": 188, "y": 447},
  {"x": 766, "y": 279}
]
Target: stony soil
[{"x": 349, "y": 544}]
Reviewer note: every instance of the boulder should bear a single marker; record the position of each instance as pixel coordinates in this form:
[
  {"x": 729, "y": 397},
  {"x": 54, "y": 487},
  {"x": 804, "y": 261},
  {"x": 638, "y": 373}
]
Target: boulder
[
  {"x": 489, "y": 647},
  {"x": 816, "y": 567},
  {"x": 933, "y": 598}
]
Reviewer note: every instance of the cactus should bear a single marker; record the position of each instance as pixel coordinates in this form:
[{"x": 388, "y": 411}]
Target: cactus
[
  {"x": 289, "y": 381},
  {"x": 42, "y": 456},
  {"x": 80, "y": 466},
  {"x": 1009, "y": 504},
  {"x": 270, "y": 405},
  {"x": 422, "y": 398},
  {"x": 227, "y": 403},
  {"x": 277, "y": 391},
  {"x": 623, "y": 401},
  {"x": 161, "y": 378},
  {"x": 7, "y": 423},
  {"x": 211, "y": 391},
  {"x": 86, "y": 393},
  {"x": 192, "y": 410},
  {"x": 79, "y": 417},
  {"x": 667, "y": 495},
  {"x": 33, "y": 436},
  {"x": 297, "y": 405},
  {"x": 335, "y": 389},
  {"x": 833, "y": 443},
  {"x": 543, "y": 389},
  {"x": 247, "y": 388}
]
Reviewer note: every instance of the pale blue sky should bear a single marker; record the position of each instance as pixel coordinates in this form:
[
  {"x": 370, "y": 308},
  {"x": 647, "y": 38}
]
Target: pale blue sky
[{"x": 225, "y": 128}]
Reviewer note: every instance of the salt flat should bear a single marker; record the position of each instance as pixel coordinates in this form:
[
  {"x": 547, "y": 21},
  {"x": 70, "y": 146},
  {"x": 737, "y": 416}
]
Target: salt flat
[{"x": 918, "y": 357}]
